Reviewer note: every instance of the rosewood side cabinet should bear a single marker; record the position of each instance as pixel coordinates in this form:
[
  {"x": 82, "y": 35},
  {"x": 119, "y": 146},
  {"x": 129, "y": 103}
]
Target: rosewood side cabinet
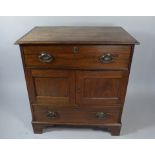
[{"x": 77, "y": 75}]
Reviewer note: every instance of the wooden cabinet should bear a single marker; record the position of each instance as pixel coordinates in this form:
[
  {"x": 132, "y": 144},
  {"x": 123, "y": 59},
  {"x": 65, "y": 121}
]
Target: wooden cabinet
[{"x": 77, "y": 75}]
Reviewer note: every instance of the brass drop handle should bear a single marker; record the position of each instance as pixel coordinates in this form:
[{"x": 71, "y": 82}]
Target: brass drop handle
[
  {"x": 51, "y": 114},
  {"x": 45, "y": 57},
  {"x": 101, "y": 115},
  {"x": 106, "y": 58}
]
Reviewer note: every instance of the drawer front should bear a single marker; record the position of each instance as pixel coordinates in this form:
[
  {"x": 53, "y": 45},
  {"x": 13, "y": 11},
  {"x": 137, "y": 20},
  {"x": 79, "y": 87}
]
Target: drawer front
[
  {"x": 102, "y": 115},
  {"x": 77, "y": 57}
]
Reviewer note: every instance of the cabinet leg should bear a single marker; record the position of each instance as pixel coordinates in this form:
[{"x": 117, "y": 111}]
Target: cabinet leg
[
  {"x": 114, "y": 130},
  {"x": 37, "y": 128}
]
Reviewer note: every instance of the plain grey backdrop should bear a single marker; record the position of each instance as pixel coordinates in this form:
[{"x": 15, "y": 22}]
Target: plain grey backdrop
[{"x": 139, "y": 112}]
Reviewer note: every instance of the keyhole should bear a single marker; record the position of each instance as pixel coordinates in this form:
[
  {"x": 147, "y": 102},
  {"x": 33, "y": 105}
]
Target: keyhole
[{"x": 75, "y": 49}]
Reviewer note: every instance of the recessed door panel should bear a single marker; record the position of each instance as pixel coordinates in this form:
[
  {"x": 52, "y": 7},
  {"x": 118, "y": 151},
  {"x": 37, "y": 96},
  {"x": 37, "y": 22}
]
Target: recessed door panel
[
  {"x": 53, "y": 87},
  {"x": 100, "y": 88}
]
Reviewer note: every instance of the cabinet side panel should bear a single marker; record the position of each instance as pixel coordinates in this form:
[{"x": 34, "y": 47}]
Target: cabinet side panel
[{"x": 29, "y": 82}]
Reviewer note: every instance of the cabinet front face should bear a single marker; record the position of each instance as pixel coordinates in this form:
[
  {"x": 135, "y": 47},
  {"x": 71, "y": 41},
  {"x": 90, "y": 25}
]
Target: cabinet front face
[
  {"x": 97, "y": 88},
  {"x": 53, "y": 87}
]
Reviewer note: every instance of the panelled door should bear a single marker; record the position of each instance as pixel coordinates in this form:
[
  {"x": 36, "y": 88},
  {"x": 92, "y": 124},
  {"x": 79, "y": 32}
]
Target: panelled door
[
  {"x": 96, "y": 88},
  {"x": 54, "y": 87},
  {"x": 77, "y": 88}
]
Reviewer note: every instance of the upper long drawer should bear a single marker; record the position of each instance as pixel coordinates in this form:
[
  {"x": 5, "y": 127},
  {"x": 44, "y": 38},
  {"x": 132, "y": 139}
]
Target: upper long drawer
[{"x": 77, "y": 57}]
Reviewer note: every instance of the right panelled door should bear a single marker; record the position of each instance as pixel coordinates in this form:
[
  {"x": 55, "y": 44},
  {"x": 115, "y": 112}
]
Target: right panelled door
[{"x": 100, "y": 88}]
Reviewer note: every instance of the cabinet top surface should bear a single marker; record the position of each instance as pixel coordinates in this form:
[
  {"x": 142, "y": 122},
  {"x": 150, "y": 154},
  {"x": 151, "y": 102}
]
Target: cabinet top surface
[{"x": 77, "y": 35}]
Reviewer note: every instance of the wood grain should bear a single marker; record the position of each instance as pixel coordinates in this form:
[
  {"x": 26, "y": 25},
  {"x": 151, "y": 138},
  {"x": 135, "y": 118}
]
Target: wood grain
[
  {"x": 76, "y": 85},
  {"x": 54, "y": 87},
  {"x": 100, "y": 88},
  {"x": 87, "y": 57},
  {"x": 77, "y": 35},
  {"x": 76, "y": 115}
]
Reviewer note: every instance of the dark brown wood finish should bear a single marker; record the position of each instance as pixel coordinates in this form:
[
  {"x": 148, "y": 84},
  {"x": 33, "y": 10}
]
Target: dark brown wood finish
[
  {"x": 73, "y": 115},
  {"x": 77, "y": 35},
  {"x": 100, "y": 88},
  {"x": 88, "y": 57},
  {"x": 56, "y": 87},
  {"x": 76, "y": 87}
]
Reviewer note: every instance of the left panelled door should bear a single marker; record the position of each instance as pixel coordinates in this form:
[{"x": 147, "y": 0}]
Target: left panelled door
[{"x": 52, "y": 87}]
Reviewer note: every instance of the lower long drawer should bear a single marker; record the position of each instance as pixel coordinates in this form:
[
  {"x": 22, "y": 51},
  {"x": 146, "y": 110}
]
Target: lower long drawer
[{"x": 70, "y": 115}]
